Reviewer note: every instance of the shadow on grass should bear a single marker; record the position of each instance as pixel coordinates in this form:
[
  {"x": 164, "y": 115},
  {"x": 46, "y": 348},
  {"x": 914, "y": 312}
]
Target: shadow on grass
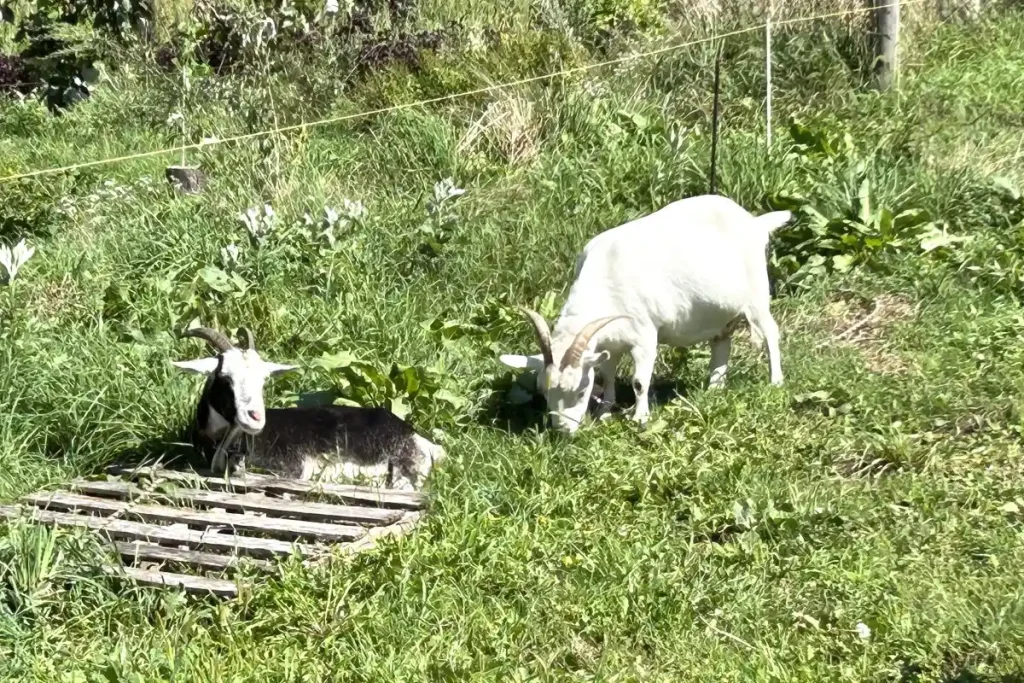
[
  {"x": 173, "y": 450},
  {"x": 911, "y": 673},
  {"x": 502, "y": 411}
]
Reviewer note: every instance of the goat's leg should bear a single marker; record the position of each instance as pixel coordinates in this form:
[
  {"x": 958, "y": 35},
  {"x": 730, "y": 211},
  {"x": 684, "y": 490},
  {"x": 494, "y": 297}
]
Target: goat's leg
[
  {"x": 607, "y": 403},
  {"x": 220, "y": 456},
  {"x": 721, "y": 346},
  {"x": 413, "y": 473},
  {"x": 644, "y": 355},
  {"x": 762, "y": 320}
]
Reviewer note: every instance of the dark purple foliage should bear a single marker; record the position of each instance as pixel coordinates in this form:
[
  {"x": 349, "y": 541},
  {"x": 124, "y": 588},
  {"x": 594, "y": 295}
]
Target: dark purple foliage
[
  {"x": 14, "y": 76},
  {"x": 402, "y": 49}
]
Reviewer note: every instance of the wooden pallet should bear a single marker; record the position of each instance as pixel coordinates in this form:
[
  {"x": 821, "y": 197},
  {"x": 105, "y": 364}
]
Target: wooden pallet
[{"x": 158, "y": 518}]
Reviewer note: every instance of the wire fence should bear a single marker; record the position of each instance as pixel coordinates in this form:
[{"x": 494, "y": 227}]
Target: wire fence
[{"x": 771, "y": 24}]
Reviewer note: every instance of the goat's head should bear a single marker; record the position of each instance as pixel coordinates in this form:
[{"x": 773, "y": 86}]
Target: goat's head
[
  {"x": 567, "y": 384},
  {"x": 235, "y": 377}
]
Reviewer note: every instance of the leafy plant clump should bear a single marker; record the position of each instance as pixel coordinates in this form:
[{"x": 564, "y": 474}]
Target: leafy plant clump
[{"x": 844, "y": 224}]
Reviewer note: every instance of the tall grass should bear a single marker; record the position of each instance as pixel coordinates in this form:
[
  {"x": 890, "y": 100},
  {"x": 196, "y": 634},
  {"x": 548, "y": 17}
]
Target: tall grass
[{"x": 861, "y": 523}]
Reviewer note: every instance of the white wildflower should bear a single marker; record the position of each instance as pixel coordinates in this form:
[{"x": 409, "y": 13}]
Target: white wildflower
[
  {"x": 258, "y": 225},
  {"x": 445, "y": 189},
  {"x": 229, "y": 254},
  {"x": 863, "y": 630},
  {"x": 331, "y": 216},
  {"x": 13, "y": 259},
  {"x": 354, "y": 209},
  {"x": 174, "y": 118}
]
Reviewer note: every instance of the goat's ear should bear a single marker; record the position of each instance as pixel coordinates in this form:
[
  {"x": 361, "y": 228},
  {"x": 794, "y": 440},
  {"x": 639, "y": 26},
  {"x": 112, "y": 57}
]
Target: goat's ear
[
  {"x": 592, "y": 359},
  {"x": 520, "y": 362},
  {"x": 278, "y": 368},
  {"x": 200, "y": 366}
]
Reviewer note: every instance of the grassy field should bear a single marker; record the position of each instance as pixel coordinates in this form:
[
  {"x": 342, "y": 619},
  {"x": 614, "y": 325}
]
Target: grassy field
[{"x": 863, "y": 522}]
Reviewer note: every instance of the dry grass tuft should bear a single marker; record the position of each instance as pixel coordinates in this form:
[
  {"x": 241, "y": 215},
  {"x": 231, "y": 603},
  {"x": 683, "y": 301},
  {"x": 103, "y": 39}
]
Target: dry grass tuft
[
  {"x": 509, "y": 128},
  {"x": 865, "y": 326}
]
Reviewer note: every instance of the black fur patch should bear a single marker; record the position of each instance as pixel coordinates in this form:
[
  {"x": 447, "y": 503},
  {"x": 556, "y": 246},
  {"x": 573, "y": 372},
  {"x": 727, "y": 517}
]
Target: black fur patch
[
  {"x": 365, "y": 436},
  {"x": 219, "y": 395}
]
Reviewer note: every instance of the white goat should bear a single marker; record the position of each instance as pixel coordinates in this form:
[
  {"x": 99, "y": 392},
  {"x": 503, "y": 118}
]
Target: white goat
[{"x": 681, "y": 275}]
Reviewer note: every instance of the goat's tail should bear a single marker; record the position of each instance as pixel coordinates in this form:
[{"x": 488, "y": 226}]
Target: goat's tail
[
  {"x": 767, "y": 224},
  {"x": 434, "y": 451},
  {"x": 770, "y": 222}
]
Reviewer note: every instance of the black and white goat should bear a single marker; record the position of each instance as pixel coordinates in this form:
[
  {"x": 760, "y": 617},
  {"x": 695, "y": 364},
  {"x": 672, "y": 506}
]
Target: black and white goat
[{"x": 323, "y": 442}]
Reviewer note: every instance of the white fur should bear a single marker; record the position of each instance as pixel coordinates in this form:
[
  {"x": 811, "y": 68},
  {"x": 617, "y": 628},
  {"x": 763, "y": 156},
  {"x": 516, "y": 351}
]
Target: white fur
[
  {"x": 681, "y": 275},
  {"x": 248, "y": 373},
  {"x": 337, "y": 469}
]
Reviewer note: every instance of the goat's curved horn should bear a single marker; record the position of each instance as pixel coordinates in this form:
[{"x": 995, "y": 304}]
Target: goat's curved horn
[
  {"x": 216, "y": 339},
  {"x": 574, "y": 354},
  {"x": 540, "y": 327},
  {"x": 245, "y": 336}
]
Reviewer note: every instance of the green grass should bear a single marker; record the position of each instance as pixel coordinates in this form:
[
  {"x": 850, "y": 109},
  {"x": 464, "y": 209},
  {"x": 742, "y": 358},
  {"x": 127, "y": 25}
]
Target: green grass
[{"x": 743, "y": 536}]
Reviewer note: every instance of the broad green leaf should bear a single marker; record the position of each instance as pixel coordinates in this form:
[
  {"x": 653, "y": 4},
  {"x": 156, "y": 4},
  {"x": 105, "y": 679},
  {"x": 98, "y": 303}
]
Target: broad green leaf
[
  {"x": 333, "y": 361},
  {"x": 817, "y": 218},
  {"x": 842, "y": 262},
  {"x": 547, "y": 306},
  {"x": 864, "y": 202},
  {"x": 911, "y": 218},
  {"x": 399, "y": 407},
  {"x": 239, "y": 282},
  {"x": 216, "y": 279},
  {"x": 787, "y": 201},
  {"x": 613, "y": 129},
  {"x": 937, "y": 239},
  {"x": 409, "y": 380},
  {"x": 886, "y": 222},
  {"x": 373, "y": 375},
  {"x": 450, "y": 398}
]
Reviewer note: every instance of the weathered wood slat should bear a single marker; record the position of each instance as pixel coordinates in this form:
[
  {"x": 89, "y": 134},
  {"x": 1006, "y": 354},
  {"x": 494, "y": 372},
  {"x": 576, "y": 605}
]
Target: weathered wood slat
[
  {"x": 287, "y": 528},
  {"x": 275, "y": 507},
  {"x": 406, "y": 500},
  {"x": 191, "y": 584},
  {"x": 151, "y": 552},
  {"x": 408, "y": 521},
  {"x": 178, "y": 535}
]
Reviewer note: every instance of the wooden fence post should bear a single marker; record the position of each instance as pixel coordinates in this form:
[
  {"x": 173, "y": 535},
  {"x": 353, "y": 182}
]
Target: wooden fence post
[
  {"x": 768, "y": 75},
  {"x": 887, "y": 33}
]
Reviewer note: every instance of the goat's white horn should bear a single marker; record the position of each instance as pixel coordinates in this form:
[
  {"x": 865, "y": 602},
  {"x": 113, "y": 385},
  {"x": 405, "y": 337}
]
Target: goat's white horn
[
  {"x": 574, "y": 354},
  {"x": 216, "y": 339},
  {"x": 540, "y": 327}
]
